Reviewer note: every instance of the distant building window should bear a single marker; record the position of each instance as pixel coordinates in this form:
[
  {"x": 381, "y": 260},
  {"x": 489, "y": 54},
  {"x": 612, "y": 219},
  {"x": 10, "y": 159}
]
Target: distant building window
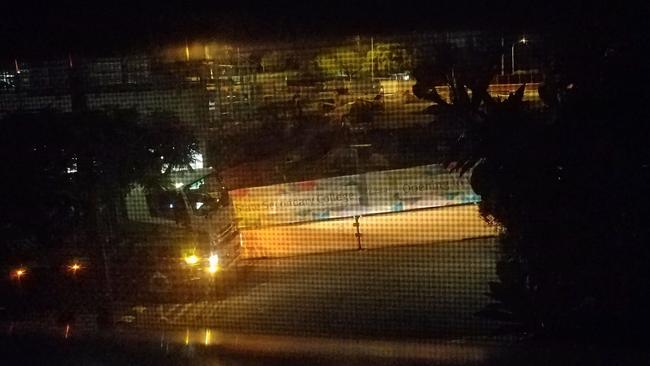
[
  {"x": 7, "y": 80},
  {"x": 138, "y": 71},
  {"x": 107, "y": 72}
]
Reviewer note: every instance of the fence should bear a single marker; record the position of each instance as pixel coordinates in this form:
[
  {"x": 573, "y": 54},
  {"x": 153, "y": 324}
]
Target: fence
[{"x": 359, "y": 194}]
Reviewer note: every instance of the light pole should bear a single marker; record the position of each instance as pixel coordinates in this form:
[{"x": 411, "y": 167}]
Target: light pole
[
  {"x": 372, "y": 61},
  {"x": 523, "y": 40},
  {"x": 360, "y": 163},
  {"x": 502, "y": 58}
]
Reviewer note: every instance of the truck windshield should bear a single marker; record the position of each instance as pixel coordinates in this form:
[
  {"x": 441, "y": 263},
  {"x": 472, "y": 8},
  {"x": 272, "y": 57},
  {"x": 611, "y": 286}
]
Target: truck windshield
[
  {"x": 166, "y": 204},
  {"x": 206, "y": 195}
]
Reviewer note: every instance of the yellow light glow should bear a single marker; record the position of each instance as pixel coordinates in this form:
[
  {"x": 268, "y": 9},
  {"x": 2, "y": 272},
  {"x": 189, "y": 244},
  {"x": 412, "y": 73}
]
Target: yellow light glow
[
  {"x": 187, "y": 337},
  {"x": 213, "y": 260},
  {"x": 191, "y": 259},
  {"x": 19, "y": 273},
  {"x": 74, "y": 267},
  {"x": 207, "y": 337},
  {"x": 213, "y": 269}
]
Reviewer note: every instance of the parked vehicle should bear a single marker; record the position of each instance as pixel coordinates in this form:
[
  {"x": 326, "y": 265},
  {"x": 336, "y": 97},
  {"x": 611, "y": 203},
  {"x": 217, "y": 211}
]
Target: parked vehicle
[{"x": 188, "y": 234}]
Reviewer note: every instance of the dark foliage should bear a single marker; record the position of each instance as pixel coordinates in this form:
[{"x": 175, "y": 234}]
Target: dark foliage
[
  {"x": 567, "y": 186},
  {"x": 63, "y": 168}
]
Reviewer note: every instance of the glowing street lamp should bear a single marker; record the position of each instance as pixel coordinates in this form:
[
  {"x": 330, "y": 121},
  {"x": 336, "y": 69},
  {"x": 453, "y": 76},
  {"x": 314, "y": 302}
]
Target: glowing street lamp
[
  {"x": 19, "y": 273},
  {"x": 74, "y": 268}
]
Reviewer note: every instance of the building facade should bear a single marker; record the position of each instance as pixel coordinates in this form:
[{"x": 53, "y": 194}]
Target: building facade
[{"x": 208, "y": 97}]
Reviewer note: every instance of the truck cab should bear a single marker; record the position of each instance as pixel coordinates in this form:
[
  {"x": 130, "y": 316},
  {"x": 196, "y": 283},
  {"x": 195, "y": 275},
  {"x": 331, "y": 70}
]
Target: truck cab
[{"x": 190, "y": 230}]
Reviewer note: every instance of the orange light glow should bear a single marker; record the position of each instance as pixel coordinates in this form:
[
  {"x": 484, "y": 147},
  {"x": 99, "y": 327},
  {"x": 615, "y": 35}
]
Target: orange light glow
[
  {"x": 213, "y": 269},
  {"x": 19, "y": 273},
  {"x": 207, "y": 337},
  {"x": 191, "y": 259},
  {"x": 74, "y": 267}
]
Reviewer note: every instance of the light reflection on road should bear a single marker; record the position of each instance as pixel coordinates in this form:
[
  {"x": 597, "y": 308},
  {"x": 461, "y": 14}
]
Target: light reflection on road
[
  {"x": 323, "y": 347},
  {"x": 394, "y": 229}
]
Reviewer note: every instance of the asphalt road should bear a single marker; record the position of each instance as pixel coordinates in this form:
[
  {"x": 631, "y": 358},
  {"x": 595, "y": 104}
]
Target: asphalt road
[
  {"x": 420, "y": 275},
  {"x": 388, "y": 305},
  {"x": 421, "y": 291}
]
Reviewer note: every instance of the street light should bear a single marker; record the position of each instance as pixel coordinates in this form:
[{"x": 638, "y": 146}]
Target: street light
[
  {"x": 19, "y": 273},
  {"x": 74, "y": 267},
  {"x": 523, "y": 40}
]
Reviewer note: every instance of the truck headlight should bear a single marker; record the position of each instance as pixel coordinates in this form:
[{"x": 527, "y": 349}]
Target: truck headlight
[
  {"x": 213, "y": 269},
  {"x": 213, "y": 260},
  {"x": 191, "y": 259}
]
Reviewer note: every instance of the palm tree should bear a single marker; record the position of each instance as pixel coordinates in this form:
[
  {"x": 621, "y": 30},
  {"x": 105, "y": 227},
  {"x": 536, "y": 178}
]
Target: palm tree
[{"x": 559, "y": 184}]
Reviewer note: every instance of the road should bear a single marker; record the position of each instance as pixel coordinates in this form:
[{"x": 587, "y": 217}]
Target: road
[
  {"x": 419, "y": 291},
  {"x": 421, "y": 275},
  {"x": 428, "y": 290}
]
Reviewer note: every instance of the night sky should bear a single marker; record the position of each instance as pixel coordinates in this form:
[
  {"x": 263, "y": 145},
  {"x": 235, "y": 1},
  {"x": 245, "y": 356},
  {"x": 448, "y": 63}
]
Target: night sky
[{"x": 58, "y": 28}]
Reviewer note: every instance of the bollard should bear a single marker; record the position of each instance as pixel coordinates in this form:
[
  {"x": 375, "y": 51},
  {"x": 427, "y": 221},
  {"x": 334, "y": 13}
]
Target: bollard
[{"x": 357, "y": 234}]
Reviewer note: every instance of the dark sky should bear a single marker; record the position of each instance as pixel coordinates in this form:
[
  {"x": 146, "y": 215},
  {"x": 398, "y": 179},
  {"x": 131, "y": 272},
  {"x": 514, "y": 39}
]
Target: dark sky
[{"x": 57, "y": 28}]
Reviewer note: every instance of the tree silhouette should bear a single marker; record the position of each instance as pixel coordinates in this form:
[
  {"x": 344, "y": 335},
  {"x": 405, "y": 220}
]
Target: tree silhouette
[
  {"x": 65, "y": 168},
  {"x": 565, "y": 185}
]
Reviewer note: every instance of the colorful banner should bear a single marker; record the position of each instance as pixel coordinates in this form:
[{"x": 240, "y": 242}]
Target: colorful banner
[{"x": 345, "y": 196}]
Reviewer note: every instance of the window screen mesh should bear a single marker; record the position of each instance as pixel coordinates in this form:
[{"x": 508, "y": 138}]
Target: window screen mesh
[{"x": 204, "y": 191}]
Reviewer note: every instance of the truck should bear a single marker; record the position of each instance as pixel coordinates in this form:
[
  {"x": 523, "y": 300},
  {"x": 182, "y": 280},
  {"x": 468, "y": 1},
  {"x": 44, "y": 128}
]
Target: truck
[{"x": 187, "y": 235}]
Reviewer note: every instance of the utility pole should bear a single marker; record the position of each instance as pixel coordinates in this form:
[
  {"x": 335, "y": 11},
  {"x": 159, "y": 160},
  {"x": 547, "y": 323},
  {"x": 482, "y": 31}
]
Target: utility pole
[
  {"x": 503, "y": 65},
  {"x": 512, "y": 54},
  {"x": 523, "y": 40},
  {"x": 372, "y": 61},
  {"x": 362, "y": 153},
  {"x": 240, "y": 85},
  {"x": 357, "y": 228}
]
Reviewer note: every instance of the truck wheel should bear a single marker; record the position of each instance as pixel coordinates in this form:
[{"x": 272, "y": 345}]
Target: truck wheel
[
  {"x": 159, "y": 287},
  {"x": 223, "y": 285},
  {"x": 219, "y": 287}
]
